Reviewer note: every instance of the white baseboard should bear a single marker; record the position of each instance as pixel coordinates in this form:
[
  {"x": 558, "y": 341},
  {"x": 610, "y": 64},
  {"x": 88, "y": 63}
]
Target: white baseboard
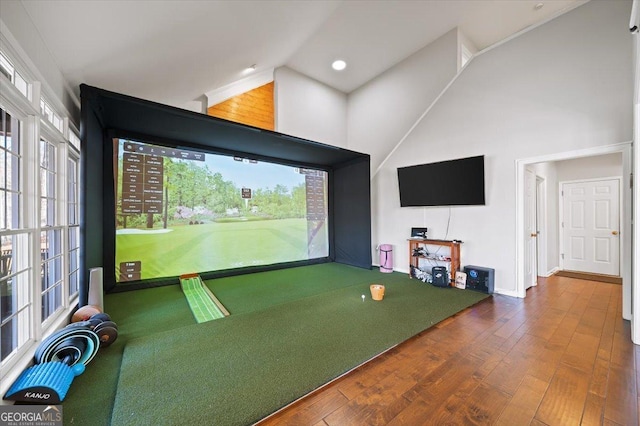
[
  {"x": 502, "y": 291},
  {"x": 551, "y": 272}
]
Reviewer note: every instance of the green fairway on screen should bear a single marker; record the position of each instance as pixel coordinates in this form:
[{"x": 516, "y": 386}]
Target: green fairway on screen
[{"x": 181, "y": 211}]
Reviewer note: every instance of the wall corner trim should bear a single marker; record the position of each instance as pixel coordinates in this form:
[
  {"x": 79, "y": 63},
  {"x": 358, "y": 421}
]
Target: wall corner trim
[{"x": 422, "y": 116}]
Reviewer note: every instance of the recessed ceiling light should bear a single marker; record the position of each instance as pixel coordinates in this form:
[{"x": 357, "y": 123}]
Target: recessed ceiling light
[
  {"x": 339, "y": 65},
  {"x": 538, "y": 6},
  {"x": 250, "y": 69}
]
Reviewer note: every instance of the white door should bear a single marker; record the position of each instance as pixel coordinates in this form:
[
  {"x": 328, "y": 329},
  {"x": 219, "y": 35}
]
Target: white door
[
  {"x": 530, "y": 237},
  {"x": 590, "y": 226}
]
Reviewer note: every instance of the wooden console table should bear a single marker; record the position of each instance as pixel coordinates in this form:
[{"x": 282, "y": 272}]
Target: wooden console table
[{"x": 454, "y": 254}]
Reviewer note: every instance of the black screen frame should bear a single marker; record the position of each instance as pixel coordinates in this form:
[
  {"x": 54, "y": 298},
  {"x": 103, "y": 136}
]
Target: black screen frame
[{"x": 106, "y": 114}]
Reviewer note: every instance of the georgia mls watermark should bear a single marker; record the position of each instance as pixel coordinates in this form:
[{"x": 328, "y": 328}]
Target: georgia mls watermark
[{"x": 30, "y": 415}]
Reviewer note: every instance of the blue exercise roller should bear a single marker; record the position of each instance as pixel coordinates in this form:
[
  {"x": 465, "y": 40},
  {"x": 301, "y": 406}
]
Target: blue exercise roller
[
  {"x": 69, "y": 339},
  {"x": 59, "y": 358}
]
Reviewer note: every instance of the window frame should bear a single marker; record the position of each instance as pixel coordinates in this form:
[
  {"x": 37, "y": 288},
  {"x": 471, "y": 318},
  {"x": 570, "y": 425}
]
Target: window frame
[
  {"x": 23, "y": 274},
  {"x": 73, "y": 252},
  {"x": 61, "y": 132},
  {"x": 14, "y": 74}
]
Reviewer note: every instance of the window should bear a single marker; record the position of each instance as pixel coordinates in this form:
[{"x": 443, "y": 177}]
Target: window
[
  {"x": 50, "y": 235},
  {"x": 48, "y": 180},
  {"x": 51, "y": 116},
  {"x": 15, "y": 303},
  {"x": 39, "y": 225},
  {"x": 51, "y": 254},
  {"x": 73, "y": 166},
  {"x": 9, "y": 171},
  {"x": 6, "y": 68},
  {"x": 75, "y": 140},
  {"x": 9, "y": 71}
]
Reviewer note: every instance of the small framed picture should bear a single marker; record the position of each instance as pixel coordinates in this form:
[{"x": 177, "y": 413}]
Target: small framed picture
[{"x": 461, "y": 280}]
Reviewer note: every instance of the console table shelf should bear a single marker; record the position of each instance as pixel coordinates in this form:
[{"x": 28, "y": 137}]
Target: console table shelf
[{"x": 454, "y": 252}]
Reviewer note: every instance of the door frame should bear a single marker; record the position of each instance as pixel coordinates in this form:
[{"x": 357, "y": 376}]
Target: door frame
[
  {"x": 626, "y": 213},
  {"x": 541, "y": 225},
  {"x": 531, "y": 209},
  {"x": 561, "y": 217}
]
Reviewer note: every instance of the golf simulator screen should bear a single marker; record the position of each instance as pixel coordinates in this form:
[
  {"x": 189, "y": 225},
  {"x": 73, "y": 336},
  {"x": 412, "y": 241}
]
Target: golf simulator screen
[{"x": 180, "y": 211}]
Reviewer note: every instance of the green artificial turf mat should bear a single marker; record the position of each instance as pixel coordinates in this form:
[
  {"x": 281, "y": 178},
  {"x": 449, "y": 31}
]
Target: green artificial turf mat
[
  {"x": 139, "y": 313},
  {"x": 199, "y": 299},
  {"x": 250, "y": 293},
  {"x": 143, "y": 313},
  {"x": 238, "y": 369}
]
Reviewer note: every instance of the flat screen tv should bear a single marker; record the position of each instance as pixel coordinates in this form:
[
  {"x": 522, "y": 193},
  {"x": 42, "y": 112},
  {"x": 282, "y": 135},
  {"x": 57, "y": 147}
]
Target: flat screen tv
[
  {"x": 445, "y": 183},
  {"x": 180, "y": 211}
]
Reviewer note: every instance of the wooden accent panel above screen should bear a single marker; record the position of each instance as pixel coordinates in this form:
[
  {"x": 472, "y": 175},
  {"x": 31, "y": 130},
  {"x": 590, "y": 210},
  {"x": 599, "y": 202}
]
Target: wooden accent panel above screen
[{"x": 254, "y": 108}]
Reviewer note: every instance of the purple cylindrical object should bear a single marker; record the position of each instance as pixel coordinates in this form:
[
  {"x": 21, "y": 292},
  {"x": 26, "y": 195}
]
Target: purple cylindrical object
[{"x": 386, "y": 258}]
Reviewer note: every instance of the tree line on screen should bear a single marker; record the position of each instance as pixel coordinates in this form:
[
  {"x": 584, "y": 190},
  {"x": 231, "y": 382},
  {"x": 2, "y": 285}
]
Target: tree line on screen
[{"x": 195, "y": 195}]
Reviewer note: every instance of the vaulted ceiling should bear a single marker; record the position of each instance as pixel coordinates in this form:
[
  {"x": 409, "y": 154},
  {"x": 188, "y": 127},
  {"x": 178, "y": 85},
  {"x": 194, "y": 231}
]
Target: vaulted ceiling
[{"x": 174, "y": 51}]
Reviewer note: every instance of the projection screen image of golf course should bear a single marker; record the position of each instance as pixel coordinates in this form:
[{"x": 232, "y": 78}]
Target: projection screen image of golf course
[{"x": 180, "y": 211}]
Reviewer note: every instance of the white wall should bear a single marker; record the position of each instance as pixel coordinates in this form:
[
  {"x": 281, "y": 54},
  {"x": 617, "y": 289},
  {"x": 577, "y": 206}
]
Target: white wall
[
  {"x": 309, "y": 109},
  {"x": 36, "y": 56},
  {"x": 601, "y": 166},
  {"x": 563, "y": 86},
  {"x": 384, "y": 109}
]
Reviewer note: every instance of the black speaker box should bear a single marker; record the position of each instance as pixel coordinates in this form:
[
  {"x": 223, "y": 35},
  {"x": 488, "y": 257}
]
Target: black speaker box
[
  {"x": 440, "y": 276},
  {"x": 480, "y": 279}
]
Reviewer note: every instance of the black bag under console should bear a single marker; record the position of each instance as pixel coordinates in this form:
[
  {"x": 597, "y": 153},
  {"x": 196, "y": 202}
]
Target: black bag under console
[{"x": 440, "y": 276}]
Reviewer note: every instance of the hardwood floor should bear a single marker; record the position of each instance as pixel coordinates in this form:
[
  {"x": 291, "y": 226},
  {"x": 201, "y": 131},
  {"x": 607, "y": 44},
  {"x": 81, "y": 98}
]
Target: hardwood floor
[{"x": 561, "y": 356}]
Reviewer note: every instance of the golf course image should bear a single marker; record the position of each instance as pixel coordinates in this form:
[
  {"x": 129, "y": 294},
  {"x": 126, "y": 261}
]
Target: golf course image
[
  {"x": 180, "y": 212},
  {"x": 212, "y": 246}
]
